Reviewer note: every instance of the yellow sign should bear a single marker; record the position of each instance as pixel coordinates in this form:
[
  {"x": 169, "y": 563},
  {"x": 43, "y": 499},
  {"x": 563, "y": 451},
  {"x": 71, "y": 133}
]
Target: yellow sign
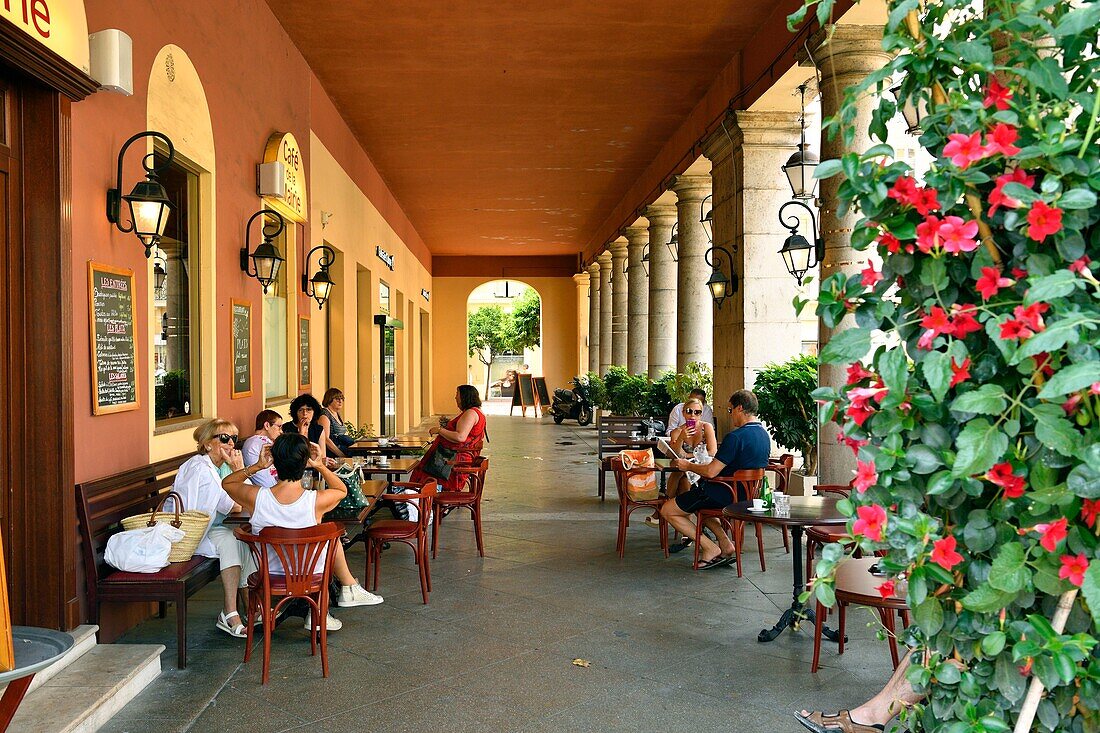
[
  {"x": 59, "y": 25},
  {"x": 283, "y": 148}
]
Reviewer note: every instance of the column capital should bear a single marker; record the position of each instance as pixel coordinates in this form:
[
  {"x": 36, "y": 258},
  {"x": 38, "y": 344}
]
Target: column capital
[
  {"x": 637, "y": 235},
  {"x": 660, "y": 214},
  {"x": 691, "y": 189},
  {"x": 618, "y": 248},
  {"x": 604, "y": 260},
  {"x": 846, "y": 49},
  {"x": 581, "y": 279},
  {"x": 594, "y": 273},
  {"x": 721, "y": 143},
  {"x": 769, "y": 128}
]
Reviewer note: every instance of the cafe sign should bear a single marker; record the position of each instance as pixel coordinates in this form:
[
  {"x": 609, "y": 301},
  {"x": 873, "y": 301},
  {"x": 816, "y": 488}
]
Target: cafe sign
[
  {"x": 384, "y": 256},
  {"x": 59, "y": 25},
  {"x": 283, "y": 148}
]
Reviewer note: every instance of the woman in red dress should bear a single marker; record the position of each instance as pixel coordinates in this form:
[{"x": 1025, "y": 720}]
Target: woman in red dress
[{"x": 464, "y": 433}]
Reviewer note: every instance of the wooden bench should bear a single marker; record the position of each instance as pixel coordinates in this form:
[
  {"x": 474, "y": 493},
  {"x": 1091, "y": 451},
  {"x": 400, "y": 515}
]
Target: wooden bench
[
  {"x": 101, "y": 505},
  {"x": 608, "y": 429}
]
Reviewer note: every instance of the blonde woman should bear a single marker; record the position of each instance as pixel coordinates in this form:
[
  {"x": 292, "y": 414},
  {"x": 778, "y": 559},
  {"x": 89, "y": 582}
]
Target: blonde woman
[
  {"x": 199, "y": 484},
  {"x": 694, "y": 440}
]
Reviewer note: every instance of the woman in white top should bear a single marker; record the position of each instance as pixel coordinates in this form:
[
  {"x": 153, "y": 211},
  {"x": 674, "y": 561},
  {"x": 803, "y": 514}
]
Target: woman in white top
[
  {"x": 694, "y": 440},
  {"x": 199, "y": 484},
  {"x": 289, "y": 505}
]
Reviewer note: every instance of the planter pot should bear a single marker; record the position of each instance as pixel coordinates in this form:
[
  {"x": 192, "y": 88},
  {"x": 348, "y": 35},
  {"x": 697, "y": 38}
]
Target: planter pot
[{"x": 802, "y": 485}]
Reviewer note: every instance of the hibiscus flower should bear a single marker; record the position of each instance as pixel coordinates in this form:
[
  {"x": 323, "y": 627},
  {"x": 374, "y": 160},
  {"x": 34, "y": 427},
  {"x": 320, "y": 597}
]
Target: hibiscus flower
[
  {"x": 1001, "y": 140},
  {"x": 958, "y": 235},
  {"x": 1090, "y": 509},
  {"x": 944, "y": 554},
  {"x": 996, "y": 95},
  {"x": 871, "y": 522},
  {"x": 1052, "y": 533},
  {"x": 998, "y": 198},
  {"x": 870, "y": 275},
  {"x": 1002, "y": 475},
  {"x": 1074, "y": 568},
  {"x": 1043, "y": 220},
  {"x": 991, "y": 282},
  {"x": 866, "y": 476},
  {"x": 959, "y": 372},
  {"x": 963, "y": 149}
]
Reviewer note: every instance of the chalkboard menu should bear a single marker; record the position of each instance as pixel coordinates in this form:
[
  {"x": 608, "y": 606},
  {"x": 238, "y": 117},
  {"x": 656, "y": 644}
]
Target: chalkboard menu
[
  {"x": 113, "y": 329},
  {"x": 542, "y": 392},
  {"x": 304, "y": 376},
  {"x": 526, "y": 390},
  {"x": 241, "y": 351}
]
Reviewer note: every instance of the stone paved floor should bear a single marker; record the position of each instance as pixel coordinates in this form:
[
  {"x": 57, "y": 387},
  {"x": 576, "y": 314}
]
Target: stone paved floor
[{"x": 670, "y": 649}]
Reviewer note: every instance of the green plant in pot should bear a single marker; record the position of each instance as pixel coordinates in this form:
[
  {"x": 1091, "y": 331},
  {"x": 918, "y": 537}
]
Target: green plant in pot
[
  {"x": 787, "y": 406},
  {"x": 625, "y": 391}
]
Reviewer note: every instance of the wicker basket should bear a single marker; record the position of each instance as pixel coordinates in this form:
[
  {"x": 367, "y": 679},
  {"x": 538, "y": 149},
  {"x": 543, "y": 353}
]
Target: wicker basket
[{"x": 193, "y": 523}]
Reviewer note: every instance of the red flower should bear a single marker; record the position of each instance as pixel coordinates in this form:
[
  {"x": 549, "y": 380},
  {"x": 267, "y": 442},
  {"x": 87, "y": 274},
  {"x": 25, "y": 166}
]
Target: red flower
[
  {"x": 935, "y": 323},
  {"x": 1094, "y": 388},
  {"x": 1002, "y": 475},
  {"x": 943, "y": 553},
  {"x": 871, "y": 522},
  {"x": 963, "y": 321},
  {"x": 1043, "y": 220},
  {"x": 1042, "y": 364},
  {"x": 854, "y": 443},
  {"x": 1073, "y": 569},
  {"x": 856, "y": 373},
  {"x": 928, "y": 234},
  {"x": 890, "y": 242},
  {"x": 957, "y": 235},
  {"x": 959, "y": 372},
  {"x": 1027, "y": 322},
  {"x": 865, "y": 476},
  {"x": 886, "y": 590},
  {"x": 907, "y": 193},
  {"x": 1001, "y": 139},
  {"x": 996, "y": 95},
  {"x": 1051, "y": 534},
  {"x": 1080, "y": 265},
  {"x": 925, "y": 201},
  {"x": 860, "y": 408},
  {"x": 964, "y": 149},
  {"x": 903, "y": 190},
  {"x": 991, "y": 281},
  {"x": 870, "y": 275},
  {"x": 1019, "y": 273},
  {"x": 1090, "y": 509},
  {"x": 998, "y": 197},
  {"x": 1070, "y": 406}
]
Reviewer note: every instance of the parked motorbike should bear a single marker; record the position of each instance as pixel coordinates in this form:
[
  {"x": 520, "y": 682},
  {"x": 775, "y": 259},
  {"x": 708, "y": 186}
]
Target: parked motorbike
[{"x": 568, "y": 405}]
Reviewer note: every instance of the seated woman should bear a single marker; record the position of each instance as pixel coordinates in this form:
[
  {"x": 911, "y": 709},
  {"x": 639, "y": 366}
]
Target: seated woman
[
  {"x": 694, "y": 440},
  {"x": 331, "y": 420},
  {"x": 464, "y": 433},
  {"x": 287, "y": 504},
  {"x": 199, "y": 484},
  {"x": 305, "y": 412}
]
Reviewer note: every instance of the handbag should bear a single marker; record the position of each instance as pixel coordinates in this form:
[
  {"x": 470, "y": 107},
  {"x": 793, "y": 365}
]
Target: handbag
[
  {"x": 641, "y": 486},
  {"x": 353, "y": 480},
  {"x": 193, "y": 522},
  {"x": 440, "y": 462},
  {"x": 143, "y": 550}
]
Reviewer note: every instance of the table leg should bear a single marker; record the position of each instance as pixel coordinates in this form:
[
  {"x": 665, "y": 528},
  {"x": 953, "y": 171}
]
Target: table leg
[
  {"x": 798, "y": 611},
  {"x": 9, "y": 703}
]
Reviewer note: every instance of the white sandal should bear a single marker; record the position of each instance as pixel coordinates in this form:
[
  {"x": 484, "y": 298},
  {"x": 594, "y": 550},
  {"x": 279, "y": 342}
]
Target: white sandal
[{"x": 238, "y": 630}]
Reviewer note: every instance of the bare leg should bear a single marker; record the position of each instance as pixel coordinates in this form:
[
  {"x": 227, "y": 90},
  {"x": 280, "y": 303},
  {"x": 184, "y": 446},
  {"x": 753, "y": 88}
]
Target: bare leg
[
  {"x": 683, "y": 524},
  {"x": 231, "y": 581},
  {"x": 673, "y": 487},
  {"x": 723, "y": 539},
  {"x": 888, "y": 702},
  {"x": 340, "y": 567}
]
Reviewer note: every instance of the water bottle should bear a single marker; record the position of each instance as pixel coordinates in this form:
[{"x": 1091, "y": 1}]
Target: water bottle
[{"x": 766, "y": 491}]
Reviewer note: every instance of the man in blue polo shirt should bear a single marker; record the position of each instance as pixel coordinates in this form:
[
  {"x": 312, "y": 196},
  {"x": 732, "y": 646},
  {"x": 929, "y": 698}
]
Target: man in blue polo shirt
[{"x": 746, "y": 446}]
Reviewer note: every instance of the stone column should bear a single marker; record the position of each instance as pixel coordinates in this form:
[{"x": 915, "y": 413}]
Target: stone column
[
  {"x": 694, "y": 319},
  {"x": 637, "y": 309},
  {"x": 758, "y": 324},
  {"x": 581, "y": 279},
  {"x": 618, "y": 302},
  {"x": 662, "y": 290},
  {"x": 845, "y": 54},
  {"x": 606, "y": 298},
  {"x": 594, "y": 317}
]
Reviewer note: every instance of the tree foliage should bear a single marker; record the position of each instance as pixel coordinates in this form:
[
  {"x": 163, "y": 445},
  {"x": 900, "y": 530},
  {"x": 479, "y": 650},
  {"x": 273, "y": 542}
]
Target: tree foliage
[
  {"x": 526, "y": 320},
  {"x": 976, "y": 431},
  {"x": 787, "y": 405}
]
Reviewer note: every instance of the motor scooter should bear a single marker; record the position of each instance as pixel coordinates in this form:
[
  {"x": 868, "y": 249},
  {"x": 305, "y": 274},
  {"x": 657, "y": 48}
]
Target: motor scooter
[{"x": 568, "y": 405}]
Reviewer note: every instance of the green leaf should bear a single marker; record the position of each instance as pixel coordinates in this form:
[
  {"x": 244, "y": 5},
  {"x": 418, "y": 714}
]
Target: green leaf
[
  {"x": 847, "y": 346},
  {"x": 986, "y": 599},
  {"x": 989, "y": 399},
  {"x": 1009, "y": 680},
  {"x": 940, "y": 483},
  {"x": 827, "y": 169},
  {"x": 1091, "y": 590},
  {"x": 1076, "y": 22},
  {"x": 928, "y": 615},
  {"x": 993, "y": 643},
  {"x": 893, "y": 366},
  {"x": 1071, "y": 379},
  {"x": 1053, "y": 429},
  {"x": 1047, "y": 581},
  {"x": 979, "y": 446},
  {"x": 1020, "y": 192},
  {"x": 1078, "y": 198},
  {"x": 1084, "y": 479},
  {"x": 924, "y": 460},
  {"x": 948, "y": 674},
  {"x": 937, "y": 372},
  {"x": 1053, "y": 338},
  {"x": 1058, "y": 285},
  {"x": 1009, "y": 572}
]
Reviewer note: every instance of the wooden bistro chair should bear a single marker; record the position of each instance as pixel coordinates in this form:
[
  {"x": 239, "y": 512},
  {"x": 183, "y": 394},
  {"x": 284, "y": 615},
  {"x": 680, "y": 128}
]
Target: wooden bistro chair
[
  {"x": 413, "y": 534},
  {"x": 747, "y": 483},
  {"x": 306, "y": 555},
  {"x": 469, "y": 497},
  {"x": 820, "y": 535},
  {"x": 629, "y": 505},
  {"x": 781, "y": 481},
  {"x": 856, "y": 586}
]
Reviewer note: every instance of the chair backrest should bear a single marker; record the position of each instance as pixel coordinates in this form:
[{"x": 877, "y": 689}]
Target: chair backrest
[
  {"x": 614, "y": 426},
  {"x": 782, "y": 469},
  {"x": 842, "y": 490},
  {"x": 424, "y": 496},
  {"x": 475, "y": 471},
  {"x": 300, "y": 552},
  {"x": 102, "y": 504},
  {"x": 746, "y": 482}
]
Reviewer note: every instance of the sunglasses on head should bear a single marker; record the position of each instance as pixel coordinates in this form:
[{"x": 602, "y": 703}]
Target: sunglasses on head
[
  {"x": 693, "y": 412},
  {"x": 226, "y": 438}
]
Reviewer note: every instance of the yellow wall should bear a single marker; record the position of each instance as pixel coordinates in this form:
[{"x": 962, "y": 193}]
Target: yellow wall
[
  {"x": 559, "y": 333},
  {"x": 344, "y": 341}
]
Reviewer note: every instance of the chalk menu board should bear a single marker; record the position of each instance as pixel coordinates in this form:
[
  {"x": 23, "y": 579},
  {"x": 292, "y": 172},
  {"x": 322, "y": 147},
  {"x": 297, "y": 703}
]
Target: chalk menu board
[
  {"x": 241, "y": 351},
  {"x": 542, "y": 392},
  {"x": 113, "y": 328},
  {"x": 526, "y": 390},
  {"x": 304, "y": 376}
]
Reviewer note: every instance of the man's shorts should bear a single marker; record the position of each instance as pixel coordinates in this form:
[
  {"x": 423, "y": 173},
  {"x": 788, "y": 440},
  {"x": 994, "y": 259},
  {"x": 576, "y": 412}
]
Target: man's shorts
[{"x": 704, "y": 495}]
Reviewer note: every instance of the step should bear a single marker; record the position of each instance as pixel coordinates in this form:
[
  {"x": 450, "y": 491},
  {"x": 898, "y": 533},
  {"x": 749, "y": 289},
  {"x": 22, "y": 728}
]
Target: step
[
  {"x": 83, "y": 640},
  {"x": 90, "y": 691}
]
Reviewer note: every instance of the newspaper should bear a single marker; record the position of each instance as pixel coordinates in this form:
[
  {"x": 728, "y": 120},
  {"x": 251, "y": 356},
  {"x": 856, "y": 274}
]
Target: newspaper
[{"x": 700, "y": 457}]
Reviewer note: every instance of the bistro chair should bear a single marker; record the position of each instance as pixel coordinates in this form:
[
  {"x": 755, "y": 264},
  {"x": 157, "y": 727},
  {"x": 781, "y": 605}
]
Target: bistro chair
[
  {"x": 411, "y": 533},
  {"x": 744, "y": 483},
  {"x": 302, "y": 552},
  {"x": 781, "y": 473},
  {"x": 820, "y": 535},
  {"x": 628, "y": 504},
  {"x": 469, "y": 497}
]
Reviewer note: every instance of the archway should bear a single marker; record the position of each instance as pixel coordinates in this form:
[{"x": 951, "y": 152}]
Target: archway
[{"x": 503, "y": 336}]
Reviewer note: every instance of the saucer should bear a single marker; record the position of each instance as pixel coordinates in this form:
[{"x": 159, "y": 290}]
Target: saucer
[{"x": 759, "y": 511}]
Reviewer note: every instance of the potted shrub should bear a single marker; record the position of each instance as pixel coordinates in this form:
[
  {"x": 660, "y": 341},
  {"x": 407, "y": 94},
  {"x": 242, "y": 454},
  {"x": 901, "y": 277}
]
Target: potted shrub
[
  {"x": 625, "y": 391},
  {"x": 787, "y": 407}
]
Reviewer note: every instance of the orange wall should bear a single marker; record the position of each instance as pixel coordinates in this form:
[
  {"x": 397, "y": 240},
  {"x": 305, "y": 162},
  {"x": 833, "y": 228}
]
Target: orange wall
[{"x": 559, "y": 332}]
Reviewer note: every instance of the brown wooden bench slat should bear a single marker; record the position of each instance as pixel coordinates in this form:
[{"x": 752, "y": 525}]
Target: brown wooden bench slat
[
  {"x": 607, "y": 428},
  {"x": 101, "y": 506}
]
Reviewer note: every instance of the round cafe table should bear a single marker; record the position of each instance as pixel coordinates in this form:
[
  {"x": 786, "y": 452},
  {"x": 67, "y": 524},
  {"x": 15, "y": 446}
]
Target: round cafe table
[
  {"x": 35, "y": 649},
  {"x": 805, "y": 511}
]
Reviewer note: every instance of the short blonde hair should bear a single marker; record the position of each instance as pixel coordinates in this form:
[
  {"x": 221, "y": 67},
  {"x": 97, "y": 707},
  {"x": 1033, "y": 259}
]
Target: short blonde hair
[
  {"x": 693, "y": 400},
  {"x": 209, "y": 429}
]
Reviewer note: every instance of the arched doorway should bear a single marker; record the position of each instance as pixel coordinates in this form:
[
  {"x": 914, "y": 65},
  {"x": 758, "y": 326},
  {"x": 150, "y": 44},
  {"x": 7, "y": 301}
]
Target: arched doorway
[{"x": 503, "y": 335}]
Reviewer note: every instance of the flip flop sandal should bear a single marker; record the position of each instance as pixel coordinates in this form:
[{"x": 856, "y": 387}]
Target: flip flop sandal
[
  {"x": 716, "y": 562},
  {"x": 237, "y": 630},
  {"x": 680, "y": 546},
  {"x": 840, "y": 723}
]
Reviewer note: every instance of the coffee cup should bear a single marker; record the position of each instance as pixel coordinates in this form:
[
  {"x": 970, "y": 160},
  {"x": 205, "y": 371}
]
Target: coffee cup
[
  {"x": 758, "y": 505},
  {"x": 383, "y": 441}
]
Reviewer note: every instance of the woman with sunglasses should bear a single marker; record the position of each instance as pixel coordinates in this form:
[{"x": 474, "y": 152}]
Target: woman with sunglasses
[
  {"x": 694, "y": 440},
  {"x": 199, "y": 484}
]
